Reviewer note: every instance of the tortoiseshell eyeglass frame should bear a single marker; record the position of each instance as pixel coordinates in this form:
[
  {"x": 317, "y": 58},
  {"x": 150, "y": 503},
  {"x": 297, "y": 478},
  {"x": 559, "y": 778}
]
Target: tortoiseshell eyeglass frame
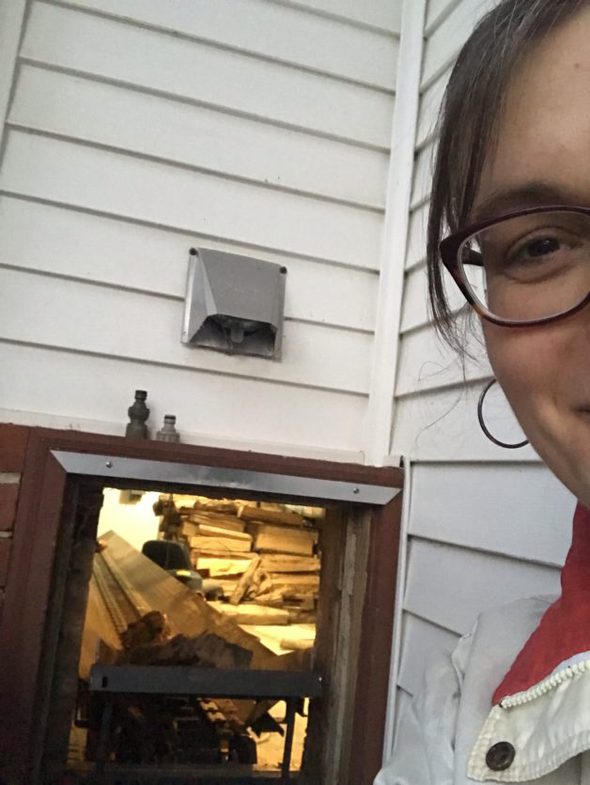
[{"x": 449, "y": 252}]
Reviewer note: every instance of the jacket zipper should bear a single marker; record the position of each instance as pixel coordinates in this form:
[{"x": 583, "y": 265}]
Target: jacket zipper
[{"x": 545, "y": 685}]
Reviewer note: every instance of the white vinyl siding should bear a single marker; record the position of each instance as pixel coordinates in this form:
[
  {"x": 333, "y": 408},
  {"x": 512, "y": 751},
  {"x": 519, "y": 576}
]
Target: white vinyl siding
[
  {"x": 484, "y": 525},
  {"x": 137, "y": 129}
]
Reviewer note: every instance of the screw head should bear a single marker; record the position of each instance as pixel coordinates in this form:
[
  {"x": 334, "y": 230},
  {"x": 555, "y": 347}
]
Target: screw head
[
  {"x": 109, "y": 464},
  {"x": 356, "y": 490}
]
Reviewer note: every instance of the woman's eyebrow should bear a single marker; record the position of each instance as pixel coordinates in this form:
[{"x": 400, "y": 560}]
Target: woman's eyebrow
[{"x": 533, "y": 194}]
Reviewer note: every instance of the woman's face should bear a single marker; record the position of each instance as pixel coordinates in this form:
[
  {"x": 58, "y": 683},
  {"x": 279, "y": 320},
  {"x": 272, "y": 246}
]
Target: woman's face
[{"x": 543, "y": 151}]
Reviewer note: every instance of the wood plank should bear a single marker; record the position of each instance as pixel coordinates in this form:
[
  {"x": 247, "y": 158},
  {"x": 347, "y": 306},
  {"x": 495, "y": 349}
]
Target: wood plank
[
  {"x": 222, "y": 567},
  {"x": 101, "y": 321},
  {"x": 243, "y": 585},
  {"x": 198, "y": 72},
  {"x": 225, "y": 522},
  {"x": 281, "y": 539},
  {"x": 196, "y": 136},
  {"x": 277, "y": 563},
  {"x": 51, "y": 169},
  {"x": 251, "y": 512},
  {"x": 250, "y": 614},
  {"x": 217, "y": 544},
  {"x": 272, "y": 30},
  {"x": 209, "y": 530},
  {"x": 188, "y": 613}
]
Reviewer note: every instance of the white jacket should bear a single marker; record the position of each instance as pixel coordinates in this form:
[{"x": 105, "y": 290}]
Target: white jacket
[{"x": 453, "y": 735}]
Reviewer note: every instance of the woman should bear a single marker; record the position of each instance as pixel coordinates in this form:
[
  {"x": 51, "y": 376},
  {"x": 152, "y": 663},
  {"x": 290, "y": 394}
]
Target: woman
[{"x": 512, "y": 184}]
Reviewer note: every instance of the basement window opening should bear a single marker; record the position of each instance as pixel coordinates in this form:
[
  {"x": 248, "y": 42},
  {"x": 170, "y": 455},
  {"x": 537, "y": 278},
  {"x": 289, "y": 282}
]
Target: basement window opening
[{"x": 194, "y": 580}]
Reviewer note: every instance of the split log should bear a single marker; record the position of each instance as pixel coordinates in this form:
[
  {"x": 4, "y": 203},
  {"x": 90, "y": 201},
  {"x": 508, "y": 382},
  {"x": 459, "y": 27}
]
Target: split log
[
  {"x": 269, "y": 538},
  {"x": 273, "y": 563},
  {"x": 231, "y": 522},
  {"x": 296, "y": 644},
  {"x": 210, "y": 530},
  {"x": 228, "y": 545},
  {"x": 245, "y": 582},
  {"x": 248, "y": 613},
  {"x": 222, "y": 568},
  {"x": 265, "y": 515}
]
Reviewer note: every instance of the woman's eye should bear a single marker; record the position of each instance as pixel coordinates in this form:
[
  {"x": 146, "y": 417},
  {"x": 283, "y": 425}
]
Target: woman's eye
[
  {"x": 538, "y": 250},
  {"x": 542, "y": 247}
]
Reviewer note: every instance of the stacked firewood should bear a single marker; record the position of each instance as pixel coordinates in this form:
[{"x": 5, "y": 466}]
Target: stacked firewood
[{"x": 265, "y": 554}]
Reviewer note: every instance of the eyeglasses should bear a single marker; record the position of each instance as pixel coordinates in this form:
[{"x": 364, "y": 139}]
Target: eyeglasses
[{"x": 527, "y": 267}]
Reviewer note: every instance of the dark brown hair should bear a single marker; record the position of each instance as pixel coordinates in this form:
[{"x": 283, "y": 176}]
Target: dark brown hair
[{"x": 469, "y": 112}]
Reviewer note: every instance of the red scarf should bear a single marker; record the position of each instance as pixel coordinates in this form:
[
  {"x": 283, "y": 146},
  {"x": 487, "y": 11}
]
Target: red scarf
[{"x": 564, "y": 630}]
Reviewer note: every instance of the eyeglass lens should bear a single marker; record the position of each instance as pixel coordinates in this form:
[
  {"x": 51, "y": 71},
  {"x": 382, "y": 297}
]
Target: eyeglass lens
[{"x": 529, "y": 267}]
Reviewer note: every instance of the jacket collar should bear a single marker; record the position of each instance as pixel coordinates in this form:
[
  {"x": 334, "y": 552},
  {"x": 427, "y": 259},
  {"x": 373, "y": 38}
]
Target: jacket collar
[{"x": 563, "y": 634}]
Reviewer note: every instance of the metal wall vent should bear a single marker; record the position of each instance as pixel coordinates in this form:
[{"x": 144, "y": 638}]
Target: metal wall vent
[{"x": 234, "y": 304}]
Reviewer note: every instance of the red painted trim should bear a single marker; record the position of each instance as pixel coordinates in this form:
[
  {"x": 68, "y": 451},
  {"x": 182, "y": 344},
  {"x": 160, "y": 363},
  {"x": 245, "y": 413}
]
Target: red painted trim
[
  {"x": 370, "y": 704},
  {"x": 13, "y": 447},
  {"x": 35, "y": 537}
]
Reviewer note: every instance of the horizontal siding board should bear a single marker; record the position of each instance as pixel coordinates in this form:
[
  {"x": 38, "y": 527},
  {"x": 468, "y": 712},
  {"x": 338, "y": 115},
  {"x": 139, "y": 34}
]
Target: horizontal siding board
[
  {"x": 427, "y": 362},
  {"x": 105, "y": 181},
  {"x": 93, "y": 393},
  {"x": 437, "y": 11},
  {"x": 441, "y": 425},
  {"x": 415, "y": 310},
  {"x": 421, "y": 643},
  {"x": 123, "y": 324},
  {"x": 196, "y": 136},
  {"x": 517, "y": 510},
  {"x": 416, "y": 250},
  {"x": 414, "y": 307},
  {"x": 422, "y": 176},
  {"x": 384, "y": 14},
  {"x": 280, "y": 32},
  {"x": 451, "y": 586},
  {"x": 64, "y": 242},
  {"x": 12, "y": 15},
  {"x": 430, "y": 106},
  {"x": 444, "y": 44},
  {"x": 181, "y": 68}
]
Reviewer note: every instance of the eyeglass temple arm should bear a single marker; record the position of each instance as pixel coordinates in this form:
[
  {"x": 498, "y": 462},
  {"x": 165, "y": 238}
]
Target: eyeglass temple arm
[{"x": 474, "y": 258}]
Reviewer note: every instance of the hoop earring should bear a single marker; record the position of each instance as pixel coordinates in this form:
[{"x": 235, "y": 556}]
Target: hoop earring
[{"x": 484, "y": 427}]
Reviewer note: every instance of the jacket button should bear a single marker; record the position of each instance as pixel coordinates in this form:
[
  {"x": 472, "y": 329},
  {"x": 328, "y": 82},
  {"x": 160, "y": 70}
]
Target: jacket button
[{"x": 500, "y": 756}]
